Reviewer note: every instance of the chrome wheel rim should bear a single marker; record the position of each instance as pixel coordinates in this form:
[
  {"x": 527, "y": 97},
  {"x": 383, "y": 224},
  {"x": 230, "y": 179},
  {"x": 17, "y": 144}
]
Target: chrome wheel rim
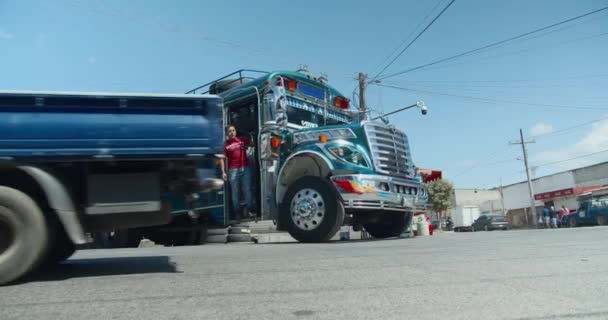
[{"x": 307, "y": 209}]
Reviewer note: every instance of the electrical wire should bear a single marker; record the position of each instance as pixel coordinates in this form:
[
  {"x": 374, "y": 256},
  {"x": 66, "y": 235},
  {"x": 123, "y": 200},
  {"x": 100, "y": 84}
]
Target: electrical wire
[
  {"x": 509, "y": 80},
  {"x": 579, "y": 157},
  {"x": 408, "y": 37},
  {"x": 555, "y": 44},
  {"x": 568, "y": 128},
  {"x": 480, "y": 163},
  {"x": 413, "y": 40},
  {"x": 554, "y": 106},
  {"x": 495, "y": 43}
]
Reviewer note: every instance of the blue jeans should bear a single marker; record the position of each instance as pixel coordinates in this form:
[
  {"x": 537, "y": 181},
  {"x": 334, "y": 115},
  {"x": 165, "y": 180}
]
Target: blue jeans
[{"x": 240, "y": 179}]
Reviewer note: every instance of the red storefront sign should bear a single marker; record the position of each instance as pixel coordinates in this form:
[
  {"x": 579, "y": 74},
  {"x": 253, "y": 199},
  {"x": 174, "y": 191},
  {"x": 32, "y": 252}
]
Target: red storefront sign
[
  {"x": 554, "y": 194},
  {"x": 429, "y": 175}
]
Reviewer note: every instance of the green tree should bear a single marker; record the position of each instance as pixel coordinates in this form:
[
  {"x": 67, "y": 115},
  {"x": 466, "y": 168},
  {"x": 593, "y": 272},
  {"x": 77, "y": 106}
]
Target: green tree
[{"x": 440, "y": 195}]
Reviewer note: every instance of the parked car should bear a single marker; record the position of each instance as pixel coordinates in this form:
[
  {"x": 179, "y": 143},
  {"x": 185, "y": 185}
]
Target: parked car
[{"x": 490, "y": 222}]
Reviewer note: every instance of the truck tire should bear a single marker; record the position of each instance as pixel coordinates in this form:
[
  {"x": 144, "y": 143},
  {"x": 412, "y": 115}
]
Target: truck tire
[
  {"x": 314, "y": 212},
  {"x": 60, "y": 247},
  {"x": 23, "y": 234},
  {"x": 391, "y": 225},
  {"x": 600, "y": 220}
]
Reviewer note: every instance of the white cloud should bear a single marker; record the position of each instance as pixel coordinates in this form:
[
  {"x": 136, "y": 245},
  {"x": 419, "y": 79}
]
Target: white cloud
[
  {"x": 541, "y": 128},
  {"x": 92, "y": 60},
  {"x": 5, "y": 35},
  {"x": 596, "y": 140}
]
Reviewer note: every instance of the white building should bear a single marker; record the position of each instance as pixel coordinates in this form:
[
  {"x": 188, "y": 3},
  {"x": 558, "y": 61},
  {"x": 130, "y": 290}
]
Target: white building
[{"x": 488, "y": 201}]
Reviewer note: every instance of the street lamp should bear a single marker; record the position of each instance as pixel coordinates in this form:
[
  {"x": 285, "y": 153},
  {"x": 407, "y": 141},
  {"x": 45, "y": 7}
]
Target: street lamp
[{"x": 419, "y": 104}]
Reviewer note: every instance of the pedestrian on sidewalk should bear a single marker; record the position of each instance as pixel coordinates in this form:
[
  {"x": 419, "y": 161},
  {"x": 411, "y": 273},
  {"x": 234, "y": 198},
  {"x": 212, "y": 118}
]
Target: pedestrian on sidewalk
[
  {"x": 562, "y": 212},
  {"x": 546, "y": 216},
  {"x": 553, "y": 216}
]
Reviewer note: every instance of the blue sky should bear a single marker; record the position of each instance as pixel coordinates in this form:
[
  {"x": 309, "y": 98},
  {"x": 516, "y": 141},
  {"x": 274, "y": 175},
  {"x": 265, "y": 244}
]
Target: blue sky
[{"x": 163, "y": 46}]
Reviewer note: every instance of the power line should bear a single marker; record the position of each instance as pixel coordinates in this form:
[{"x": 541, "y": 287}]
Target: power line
[
  {"x": 583, "y": 156},
  {"x": 515, "y": 80},
  {"x": 493, "y": 155},
  {"x": 480, "y": 163},
  {"x": 408, "y": 37},
  {"x": 569, "y": 128},
  {"x": 413, "y": 40},
  {"x": 520, "y": 51},
  {"x": 495, "y": 100},
  {"x": 514, "y": 93},
  {"x": 495, "y": 43}
]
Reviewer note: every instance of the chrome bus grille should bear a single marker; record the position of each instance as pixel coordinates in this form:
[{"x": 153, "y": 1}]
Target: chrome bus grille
[{"x": 390, "y": 150}]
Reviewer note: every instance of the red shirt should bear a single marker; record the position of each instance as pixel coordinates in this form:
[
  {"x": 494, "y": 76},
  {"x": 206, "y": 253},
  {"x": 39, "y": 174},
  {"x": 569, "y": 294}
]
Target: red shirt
[{"x": 235, "y": 150}]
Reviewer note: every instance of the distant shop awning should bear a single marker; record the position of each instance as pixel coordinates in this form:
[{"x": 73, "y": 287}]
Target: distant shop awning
[
  {"x": 565, "y": 192},
  {"x": 429, "y": 175}
]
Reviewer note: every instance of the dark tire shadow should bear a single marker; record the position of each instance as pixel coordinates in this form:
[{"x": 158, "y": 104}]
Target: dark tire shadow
[{"x": 99, "y": 267}]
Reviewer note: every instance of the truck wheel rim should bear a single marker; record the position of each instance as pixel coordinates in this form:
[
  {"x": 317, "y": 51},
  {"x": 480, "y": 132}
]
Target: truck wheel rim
[
  {"x": 307, "y": 209},
  {"x": 7, "y": 235}
]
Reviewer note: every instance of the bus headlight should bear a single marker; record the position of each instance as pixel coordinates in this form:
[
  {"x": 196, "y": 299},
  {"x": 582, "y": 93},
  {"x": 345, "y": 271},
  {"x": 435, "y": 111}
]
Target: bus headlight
[{"x": 349, "y": 155}]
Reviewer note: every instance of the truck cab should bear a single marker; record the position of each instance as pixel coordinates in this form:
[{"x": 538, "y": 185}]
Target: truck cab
[
  {"x": 593, "y": 209},
  {"x": 317, "y": 165}
]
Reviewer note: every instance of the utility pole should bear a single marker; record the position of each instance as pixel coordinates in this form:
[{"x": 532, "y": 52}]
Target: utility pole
[
  {"x": 523, "y": 147},
  {"x": 362, "y": 79}
]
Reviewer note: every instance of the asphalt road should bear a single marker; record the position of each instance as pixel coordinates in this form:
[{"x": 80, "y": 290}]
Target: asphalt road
[{"x": 535, "y": 274}]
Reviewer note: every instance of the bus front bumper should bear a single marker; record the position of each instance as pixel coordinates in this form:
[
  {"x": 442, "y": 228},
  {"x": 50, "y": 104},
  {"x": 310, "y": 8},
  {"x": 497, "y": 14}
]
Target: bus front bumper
[{"x": 378, "y": 192}]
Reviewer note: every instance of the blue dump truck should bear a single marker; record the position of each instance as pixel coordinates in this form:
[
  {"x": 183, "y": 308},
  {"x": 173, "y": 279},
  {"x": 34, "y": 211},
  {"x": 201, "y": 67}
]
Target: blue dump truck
[{"x": 73, "y": 164}]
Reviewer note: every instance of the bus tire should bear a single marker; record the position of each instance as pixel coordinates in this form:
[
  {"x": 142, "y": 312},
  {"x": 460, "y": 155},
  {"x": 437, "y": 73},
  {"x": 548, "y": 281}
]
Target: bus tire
[
  {"x": 314, "y": 212},
  {"x": 23, "y": 234}
]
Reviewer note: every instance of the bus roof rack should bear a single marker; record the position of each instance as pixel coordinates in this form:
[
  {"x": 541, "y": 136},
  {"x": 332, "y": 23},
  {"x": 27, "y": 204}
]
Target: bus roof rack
[{"x": 240, "y": 76}]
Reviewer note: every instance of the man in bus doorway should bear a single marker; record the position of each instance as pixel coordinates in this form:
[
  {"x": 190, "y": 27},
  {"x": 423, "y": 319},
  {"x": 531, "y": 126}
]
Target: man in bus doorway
[{"x": 239, "y": 175}]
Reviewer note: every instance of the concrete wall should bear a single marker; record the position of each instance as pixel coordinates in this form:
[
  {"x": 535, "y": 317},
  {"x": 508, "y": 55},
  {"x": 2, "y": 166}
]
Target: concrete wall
[
  {"x": 516, "y": 196},
  {"x": 488, "y": 201},
  {"x": 491, "y": 206},
  {"x": 596, "y": 175},
  {"x": 474, "y": 197}
]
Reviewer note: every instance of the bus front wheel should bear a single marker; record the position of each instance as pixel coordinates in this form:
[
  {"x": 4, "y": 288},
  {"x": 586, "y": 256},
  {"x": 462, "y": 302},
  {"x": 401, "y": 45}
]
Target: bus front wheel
[{"x": 315, "y": 214}]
